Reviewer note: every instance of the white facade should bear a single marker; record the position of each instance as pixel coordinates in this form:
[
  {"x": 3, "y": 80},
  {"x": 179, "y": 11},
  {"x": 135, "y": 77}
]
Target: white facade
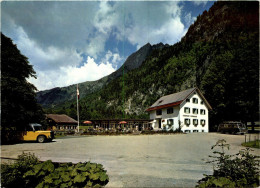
[{"x": 191, "y": 115}]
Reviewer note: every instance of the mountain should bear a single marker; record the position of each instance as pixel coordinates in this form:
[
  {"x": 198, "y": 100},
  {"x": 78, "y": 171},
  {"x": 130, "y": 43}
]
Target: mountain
[
  {"x": 56, "y": 96},
  {"x": 219, "y": 54}
]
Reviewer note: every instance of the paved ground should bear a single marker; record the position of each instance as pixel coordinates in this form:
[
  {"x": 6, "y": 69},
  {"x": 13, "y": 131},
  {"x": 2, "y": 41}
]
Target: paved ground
[{"x": 136, "y": 161}]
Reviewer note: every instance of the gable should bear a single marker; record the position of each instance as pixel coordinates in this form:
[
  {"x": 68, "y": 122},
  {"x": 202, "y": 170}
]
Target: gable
[
  {"x": 176, "y": 99},
  {"x": 61, "y": 119}
]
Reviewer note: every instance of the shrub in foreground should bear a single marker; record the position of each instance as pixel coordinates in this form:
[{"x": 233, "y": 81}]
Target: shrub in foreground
[
  {"x": 49, "y": 174},
  {"x": 238, "y": 170}
]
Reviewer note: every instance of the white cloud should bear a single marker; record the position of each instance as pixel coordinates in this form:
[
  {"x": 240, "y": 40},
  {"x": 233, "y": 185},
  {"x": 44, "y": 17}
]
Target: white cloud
[
  {"x": 45, "y": 59},
  {"x": 103, "y": 21},
  {"x": 158, "y": 22},
  {"x": 53, "y": 35},
  {"x": 96, "y": 45},
  {"x": 68, "y": 75},
  {"x": 105, "y": 18},
  {"x": 114, "y": 58},
  {"x": 188, "y": 19},
  {"x": 59, "y": 67},
  {"x": 169, "y": 31},
  {"x": 198, "y": 2}
]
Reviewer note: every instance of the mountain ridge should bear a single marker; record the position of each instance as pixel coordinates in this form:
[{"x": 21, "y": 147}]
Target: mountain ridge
[
  {"x": 221, "y": 59},
  {"x": 58, "y": 95}
]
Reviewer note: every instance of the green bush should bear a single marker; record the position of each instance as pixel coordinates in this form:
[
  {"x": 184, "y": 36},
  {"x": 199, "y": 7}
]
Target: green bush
[
  {"x": 252, "y": 144},
  {"x": 32, "y": 173},
  {"x": 12, "y": 174},
  {"x": 238, "y": 170}
]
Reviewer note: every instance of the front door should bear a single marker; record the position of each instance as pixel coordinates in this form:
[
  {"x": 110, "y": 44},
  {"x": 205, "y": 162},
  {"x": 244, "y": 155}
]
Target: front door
[{"x": 160, "y": 123}]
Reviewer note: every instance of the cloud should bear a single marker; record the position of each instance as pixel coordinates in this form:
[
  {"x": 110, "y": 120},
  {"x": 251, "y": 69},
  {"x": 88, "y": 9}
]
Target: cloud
[
  {"x": 58, "y": 68},
  {"x": 164, "y": 25},
  {"x": 96, "y": 45},
  {"x": 189, "y": 19},
  {"x": 45, "y": 59},
  {"x": 68, "y": 75},
  {"x": 51, "y": 23},
  {"x": 55, "y": 36},
  {"x": 114, "y": 58},
  {"x": 198, "y": 2}
]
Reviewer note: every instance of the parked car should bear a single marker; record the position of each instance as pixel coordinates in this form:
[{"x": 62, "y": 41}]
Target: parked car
[
  {"x": 232, "y": 127},
  {"x": 35, "y": 132}
]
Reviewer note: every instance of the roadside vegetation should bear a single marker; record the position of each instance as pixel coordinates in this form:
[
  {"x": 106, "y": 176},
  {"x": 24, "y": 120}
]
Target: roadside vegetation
[
  {"x": 59, "y": 134},
  {"x": 252, "y": 144},
  {"x": 238, "y": 170},
  {"x": 28, "y": 171}
]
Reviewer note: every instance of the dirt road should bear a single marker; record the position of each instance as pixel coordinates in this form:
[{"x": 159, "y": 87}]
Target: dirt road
[{"x": 136, "y": 161}]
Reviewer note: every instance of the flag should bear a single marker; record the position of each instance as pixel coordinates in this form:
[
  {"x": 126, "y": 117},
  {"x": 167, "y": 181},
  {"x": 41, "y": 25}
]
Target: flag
[{"x": 77, "y": 91}]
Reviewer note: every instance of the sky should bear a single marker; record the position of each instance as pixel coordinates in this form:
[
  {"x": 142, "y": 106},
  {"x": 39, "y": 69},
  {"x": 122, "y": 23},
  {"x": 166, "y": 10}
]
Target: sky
[{"x": 70, "y": 42}]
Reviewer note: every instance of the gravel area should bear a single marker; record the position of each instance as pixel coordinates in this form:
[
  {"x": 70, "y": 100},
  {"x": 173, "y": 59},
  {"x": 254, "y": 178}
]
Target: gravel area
[{"x": 136, "y": 160}]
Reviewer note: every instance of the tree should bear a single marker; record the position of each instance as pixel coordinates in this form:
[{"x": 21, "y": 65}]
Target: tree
[{"x": 19, "y": 105}]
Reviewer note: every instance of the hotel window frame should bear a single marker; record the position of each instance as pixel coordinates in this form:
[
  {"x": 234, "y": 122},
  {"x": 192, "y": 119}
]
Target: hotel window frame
[
  {"x": 170, "y": 110},
  {"x": 195, "y": 100},
  {"x": 159, "y": 112},
  {"x": 202, "y": 112},
  {"x": 195, "y": 120},
  {"x": 202, "y": 124},
  {"x": 195, "y": 111},
  {"x": 186, "y": 108},
  {"x": 170, "y": 122},
  {"x": 187, "y": 121}
]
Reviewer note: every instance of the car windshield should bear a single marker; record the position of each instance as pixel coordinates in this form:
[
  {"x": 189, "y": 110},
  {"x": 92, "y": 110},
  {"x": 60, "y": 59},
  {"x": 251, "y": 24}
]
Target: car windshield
[{"x": 37, "y": 127}]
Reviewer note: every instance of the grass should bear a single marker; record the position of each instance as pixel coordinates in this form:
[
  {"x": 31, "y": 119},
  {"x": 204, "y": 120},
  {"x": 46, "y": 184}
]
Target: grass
[
  {"x": 252, "y": 144},
  {"x": 59, "y": 135},
  {"x": 85, "y": 127}
]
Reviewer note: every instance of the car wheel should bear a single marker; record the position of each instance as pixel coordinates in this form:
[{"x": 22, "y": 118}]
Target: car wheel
[{"x": 41, "y": 139}]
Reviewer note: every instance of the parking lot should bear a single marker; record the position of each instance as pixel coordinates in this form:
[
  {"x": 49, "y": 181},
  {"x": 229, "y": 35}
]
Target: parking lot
[{"x": 136, "y": 160}]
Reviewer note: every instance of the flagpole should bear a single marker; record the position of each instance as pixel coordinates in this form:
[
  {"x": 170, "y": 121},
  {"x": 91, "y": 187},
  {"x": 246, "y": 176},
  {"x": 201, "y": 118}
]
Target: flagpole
[{"x": 78, "y": 105}]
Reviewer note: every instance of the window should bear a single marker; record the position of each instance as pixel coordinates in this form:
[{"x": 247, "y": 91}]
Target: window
[
  {"x": 202, "y": 131},
  {"x": 195, "y": 111},
  {"x": 195, "y": 131},
  {"x": 187, "y": 122},
  {"x": 169, "y": 110},
  {"x": 201, "y": 102},
  {"x": 187, "y": 131},
  {"x": 170, "y": 122},
  {"x": 187, "y": 110},
  {"x": 202, "y": 112},
  {"x": 187, "y": 100},
  {"x": 195, "y": 100},
  {"x": 158, "y": 112},
  {"x": 202, "y": 122},
  {"x": 195, "y": 122}
]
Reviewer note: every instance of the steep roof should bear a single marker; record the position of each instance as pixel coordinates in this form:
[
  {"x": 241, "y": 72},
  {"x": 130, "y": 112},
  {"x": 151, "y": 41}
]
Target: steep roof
[
  {"x": 61, "y": 119},
  {"x": 175, "y": 99}
]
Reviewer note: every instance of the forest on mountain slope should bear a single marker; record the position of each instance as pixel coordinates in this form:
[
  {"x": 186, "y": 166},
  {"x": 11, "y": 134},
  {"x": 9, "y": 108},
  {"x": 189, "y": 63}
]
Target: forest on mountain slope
[
  {"x": 219, "y": 54},
  {"x": 59, "y": 95}
]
